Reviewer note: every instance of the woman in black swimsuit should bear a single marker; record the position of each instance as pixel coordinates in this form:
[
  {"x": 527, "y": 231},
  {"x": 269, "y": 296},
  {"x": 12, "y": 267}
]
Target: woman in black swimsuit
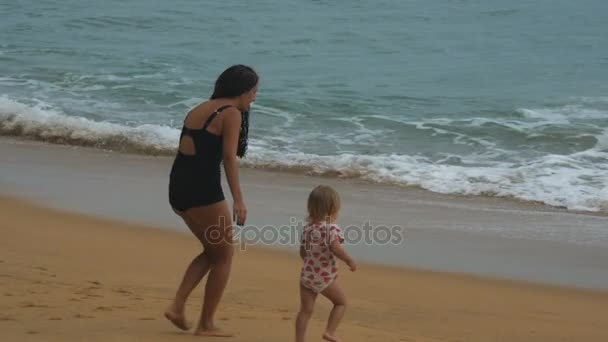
[{"x": 215, "y": 131}]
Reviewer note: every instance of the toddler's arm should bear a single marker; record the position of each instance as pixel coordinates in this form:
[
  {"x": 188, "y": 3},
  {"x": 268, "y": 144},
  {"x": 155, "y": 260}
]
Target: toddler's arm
[{"x": 341, "y": 254}]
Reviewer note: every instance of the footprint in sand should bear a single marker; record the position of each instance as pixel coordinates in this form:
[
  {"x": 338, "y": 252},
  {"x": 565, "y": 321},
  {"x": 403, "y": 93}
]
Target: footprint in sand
[
  {"x": 83, "y": 316},
  {"x": 32, "y": 305},
  {"x": 6, "y": 318},
  {"x": 32, "y": 332},
  {"x": 147, "y": 319},
  {"x": 75, "y": 300},
  {"x": 103, "y": 308},
  {"x": 8, "y": 294},
  {"x": 92, "y": 295},
  {"x": 95, "y": 282},
  {"x": 123, "y": 291},
  {"x": 87, "y": 290}
]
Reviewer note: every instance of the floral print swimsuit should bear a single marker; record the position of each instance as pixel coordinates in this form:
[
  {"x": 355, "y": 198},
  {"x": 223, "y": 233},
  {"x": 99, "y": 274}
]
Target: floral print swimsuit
[{"x": 320, "y": 268}]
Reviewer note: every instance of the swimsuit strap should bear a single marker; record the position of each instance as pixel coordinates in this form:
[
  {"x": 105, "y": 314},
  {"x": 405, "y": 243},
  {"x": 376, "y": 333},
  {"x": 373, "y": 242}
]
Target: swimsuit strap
[{"x": 213, "y": 115}]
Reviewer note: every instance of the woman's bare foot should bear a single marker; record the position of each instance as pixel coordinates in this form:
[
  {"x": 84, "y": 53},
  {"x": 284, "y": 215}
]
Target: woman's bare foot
[
  {"x": 213, "y": 332},
  {"x": 177, "y": 319},
  {"x": 331, "y": 337}
]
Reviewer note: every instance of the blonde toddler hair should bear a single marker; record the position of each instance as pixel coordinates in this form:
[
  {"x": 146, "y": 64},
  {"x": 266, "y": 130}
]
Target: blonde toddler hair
[{"x": 323, "y": 202}]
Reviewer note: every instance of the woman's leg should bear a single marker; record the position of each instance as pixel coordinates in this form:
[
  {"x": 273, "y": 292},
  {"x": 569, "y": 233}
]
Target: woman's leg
[
  {"x": 197, "y": 269},
  {"x": 214, "y": 229}
]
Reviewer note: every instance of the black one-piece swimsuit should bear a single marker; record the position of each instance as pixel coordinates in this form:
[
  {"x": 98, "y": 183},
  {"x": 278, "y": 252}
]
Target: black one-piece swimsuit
[{"x": 195, "y": 180}]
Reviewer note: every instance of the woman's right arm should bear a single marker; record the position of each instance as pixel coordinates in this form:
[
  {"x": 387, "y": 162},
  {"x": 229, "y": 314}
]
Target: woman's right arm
[{"x": 230, "y": 132}]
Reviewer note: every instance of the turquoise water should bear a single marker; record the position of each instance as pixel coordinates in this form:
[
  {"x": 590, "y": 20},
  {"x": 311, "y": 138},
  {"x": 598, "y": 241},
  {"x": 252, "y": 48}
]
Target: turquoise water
[{"x": 469, "y": 97}]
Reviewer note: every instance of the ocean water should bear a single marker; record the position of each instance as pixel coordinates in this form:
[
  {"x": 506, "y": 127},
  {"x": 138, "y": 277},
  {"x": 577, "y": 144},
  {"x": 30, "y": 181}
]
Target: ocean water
[{"x": 467, "y": 97}]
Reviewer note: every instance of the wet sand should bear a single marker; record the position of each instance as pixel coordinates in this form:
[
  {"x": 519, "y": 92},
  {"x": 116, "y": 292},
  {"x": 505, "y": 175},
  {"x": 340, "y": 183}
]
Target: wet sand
[{"x": 476, "y": 235}]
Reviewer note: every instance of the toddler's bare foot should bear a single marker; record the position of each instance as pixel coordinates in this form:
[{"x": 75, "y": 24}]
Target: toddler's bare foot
[
  {"x": 331, "y": 337},
  {"x": 212, "y": 332},
  {"x": 177, "y": 319}
]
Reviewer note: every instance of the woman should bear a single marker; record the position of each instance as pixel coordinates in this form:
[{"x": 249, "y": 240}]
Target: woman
[{"x": 215, "y": 131}]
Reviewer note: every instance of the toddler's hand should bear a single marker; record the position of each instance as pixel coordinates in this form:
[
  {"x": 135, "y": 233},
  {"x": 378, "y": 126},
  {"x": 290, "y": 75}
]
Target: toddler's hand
[{"x": 352, "y": 265}]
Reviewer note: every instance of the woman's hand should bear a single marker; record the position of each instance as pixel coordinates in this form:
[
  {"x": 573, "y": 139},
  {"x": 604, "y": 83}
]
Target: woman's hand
[{"x": 239, "y": 213}]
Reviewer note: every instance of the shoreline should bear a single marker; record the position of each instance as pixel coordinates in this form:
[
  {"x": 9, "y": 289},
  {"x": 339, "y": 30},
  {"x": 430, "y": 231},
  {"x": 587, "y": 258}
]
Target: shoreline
[{"x": 298, "y": 171}]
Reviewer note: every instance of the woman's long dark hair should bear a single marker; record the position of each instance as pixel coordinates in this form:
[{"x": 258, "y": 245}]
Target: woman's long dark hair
[{"x": 233, "y": 82}]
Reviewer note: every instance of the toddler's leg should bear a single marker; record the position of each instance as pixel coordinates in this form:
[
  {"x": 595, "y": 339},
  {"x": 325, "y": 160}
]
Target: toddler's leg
[
  {"x": 307, "y": 302},
  {"x": 334, "y": 293}
]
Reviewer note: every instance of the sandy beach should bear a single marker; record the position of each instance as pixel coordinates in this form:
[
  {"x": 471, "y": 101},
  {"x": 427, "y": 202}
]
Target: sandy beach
[
  {"x": 100, "y": 260},
  {"x": 69, "y": 277}
]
